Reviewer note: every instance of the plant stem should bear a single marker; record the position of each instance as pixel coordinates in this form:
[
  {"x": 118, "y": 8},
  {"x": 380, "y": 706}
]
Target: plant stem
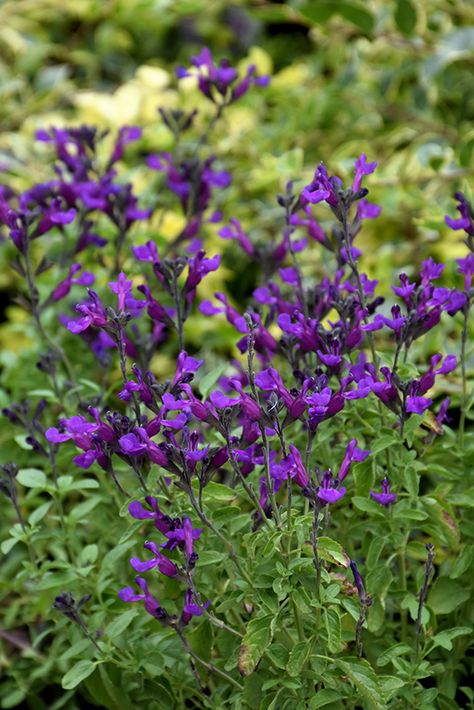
[
  {"x": 247, "y": 487},
  {"x": 213, "y": 619},
  {"x": 403, "y": 585},
  {"x": 232, "y": 553},
  {"x": 266, "y": 448},
  {"x": 209, "y": 666},
  {"x": 179, "y": 312},
  {"x": 464, "y": 402},
  {"x": 35, "y": 311},
  {"x": 422, "y": 596}
]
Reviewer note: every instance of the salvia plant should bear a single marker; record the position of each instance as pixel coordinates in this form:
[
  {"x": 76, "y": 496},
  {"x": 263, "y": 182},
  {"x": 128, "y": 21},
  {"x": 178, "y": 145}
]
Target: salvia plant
[{"x": 279, "y": 524}]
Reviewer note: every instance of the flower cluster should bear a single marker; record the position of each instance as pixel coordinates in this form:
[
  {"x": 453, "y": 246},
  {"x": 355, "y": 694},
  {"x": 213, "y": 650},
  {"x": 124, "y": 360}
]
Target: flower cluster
[{"x": 180, "y": 535}]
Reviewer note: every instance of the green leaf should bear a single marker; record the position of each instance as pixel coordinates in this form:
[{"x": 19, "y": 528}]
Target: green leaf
[
  {"x": 364, "y": 679},
  {"x": 88, "y": 555},
  {"x": 57, "y": 579},
  {"x": 211, "y": 557},
  {"x": 13, "y": 699},
  {"x": 118, "y": 625},
  {"x": 31, "y": 478},
  {"x": 278, "y": 654},
  {"x": 219, "y": 492},
  {"x": 331, "y": 551},
  {"x": 318, "y": 11},
  {"x": 208, "y": 381},
  {"x": 384, "y": 442},
  {"x": 257, "y": 638},
  {"x": 445, "y": 638},
  {"x": 411, "y": 481},
  {"x": 399, "y": 649},
  {"x": 375, "y": 550},
  {"x": 298, "y": 657},
  {"x": 446, "y": 595},
  {"x": 76, "y": 649},
  {"x": 358, "y": 15},
  {"x": 38, "y": 514},
  {"x": 79, "y": 672},
  {"x": 8, "y": 545},
  {"x": 324, "y": 697},
  {"x": 405, "y": 16},
  {"x": 368, "y": 505},
  {"x": 332, "y": 623}
]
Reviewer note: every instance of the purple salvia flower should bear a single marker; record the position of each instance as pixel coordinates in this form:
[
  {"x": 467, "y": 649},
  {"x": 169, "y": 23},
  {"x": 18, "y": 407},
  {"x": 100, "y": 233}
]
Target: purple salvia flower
[
  {"x": 385, "y": 498},
  {"x": 64, "y": 287},
  {"x": 466, "y": 220},
  {"x": 183, "y": 537},
  {"x": 159, "y": 560},
  {"x": 358, "y": 580},
  {"x": 191, "y": 608},
  {"x": 466, "y": 267},
  {"x": 417, "y": 405},
  {"x": 122, "y": 288},
  {"x": 352, "y": 454},
  {"x": 152, "y": 606},
  {"x": 362, "y": 167},
  {"x": 327, "y": 493},
  {"x": 162, "y": 522}
]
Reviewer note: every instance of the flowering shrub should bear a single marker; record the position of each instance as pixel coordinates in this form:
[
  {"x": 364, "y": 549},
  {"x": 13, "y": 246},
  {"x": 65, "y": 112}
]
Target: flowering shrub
[{"x": 260, "y": 530}]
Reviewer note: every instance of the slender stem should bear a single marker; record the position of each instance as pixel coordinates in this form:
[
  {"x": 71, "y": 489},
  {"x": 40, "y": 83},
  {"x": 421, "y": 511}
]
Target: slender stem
[
  {"x": 464, "y": 374},
  {"x": 299, "y": 627},
  {"x": 232, "y": 553},
  {"x": 402, "y": 570},
  {"x": 209, "y": 666},
  {"x": 119, "y": 243},
  {"x": 364, "y": 605},
  {"x": 35, "y": 311},
  {"x": 123, "y": 368},
  {"x": 314, "y": 542},
  {"x": 179, "y": 312},
  {"x": 360, "y": 289},
  {"x": 266, "y": 448},
  {"x": 422, "y": 596},
  {"x": 247, "y": 487},
  {"x": 212, "y": 618}
]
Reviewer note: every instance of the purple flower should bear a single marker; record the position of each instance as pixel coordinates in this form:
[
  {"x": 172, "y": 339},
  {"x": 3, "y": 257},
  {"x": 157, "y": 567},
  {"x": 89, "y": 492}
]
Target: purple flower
[
  {"x": 235, "y": 231},
  {"x": 191, "y": 608},
  {"x": 293, "y": 465},
  {"x": 466, "y": 220},
  {"x": 352, "y": 454},
  {"x": 418, "y": 405},
  {"x": 152, "y": 606},
  {"x": 322, "y": 188},
  {"x": 183, "y": 537},
  {"x": 146, "y": 252},
  {"x": 218, "y": 80},
  {"x": 186, "y": 367},
  {"x": 63, "y": 288},
  {"x": 466, "y": 267},
  {"x": 127, "y": 134},
  {"x": 358, "y": 580},
  {"x": 362, "y": 167},
  {"x": 385, "y": 498},
  {"x": 122, "y": 288},
  {"x": 159, "y": 560},
  {"x": 93, "y": 313},
  {"x": 367, "y": 210},
  {"x": 162, "y": 522},
  {"x": 327, "y": 493}
]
